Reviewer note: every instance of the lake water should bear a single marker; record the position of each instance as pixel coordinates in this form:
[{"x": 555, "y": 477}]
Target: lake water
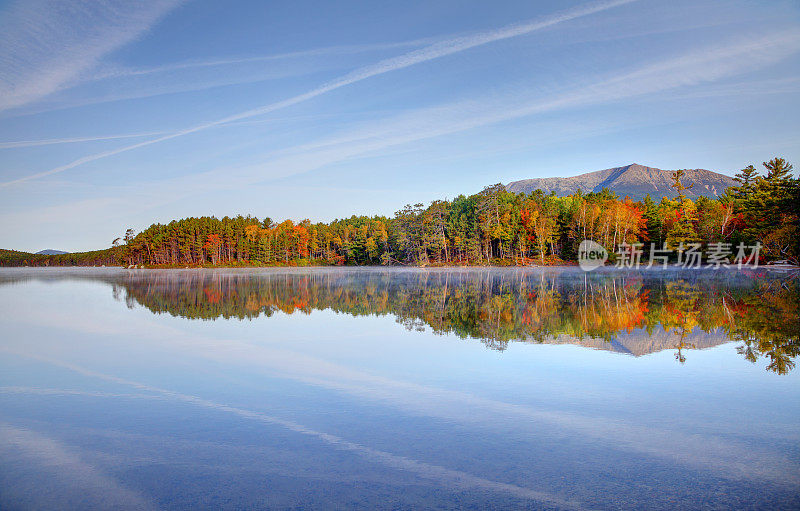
[{"x": 399, "y": 388}]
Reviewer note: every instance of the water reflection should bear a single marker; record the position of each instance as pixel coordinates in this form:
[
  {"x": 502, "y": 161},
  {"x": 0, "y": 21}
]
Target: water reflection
[
  {"x": 309, "y": 396},
  {"x": 634, "y": 312}
]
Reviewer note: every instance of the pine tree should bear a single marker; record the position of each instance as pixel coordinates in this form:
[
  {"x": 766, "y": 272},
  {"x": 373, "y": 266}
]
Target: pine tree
[
  {"x": 779, "y": 218},
  {"x": 778, "y": 170},
  {"x": 746, "y": 177},
  {"x": 683, "y": 229},
  {"x": 655, "y": 221}
]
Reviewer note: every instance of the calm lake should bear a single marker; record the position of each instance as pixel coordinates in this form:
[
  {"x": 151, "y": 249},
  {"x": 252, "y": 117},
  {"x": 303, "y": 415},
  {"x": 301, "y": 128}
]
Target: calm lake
[{"x": 399, "y": 388}]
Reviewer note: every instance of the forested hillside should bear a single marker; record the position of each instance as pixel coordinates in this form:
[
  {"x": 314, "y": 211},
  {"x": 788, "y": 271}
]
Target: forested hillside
[
  {"x": 494, "y": 226},
  {"x": 113, "y": 256}
]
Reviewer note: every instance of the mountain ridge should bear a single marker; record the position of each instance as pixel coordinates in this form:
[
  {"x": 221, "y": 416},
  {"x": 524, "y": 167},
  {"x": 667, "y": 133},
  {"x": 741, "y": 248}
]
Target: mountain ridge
[{"x": 633, "y": 180}]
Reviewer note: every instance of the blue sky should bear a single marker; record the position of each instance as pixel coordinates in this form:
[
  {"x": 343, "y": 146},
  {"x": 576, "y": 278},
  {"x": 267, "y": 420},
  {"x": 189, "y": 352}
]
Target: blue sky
[{"x": 117, "y": 114}]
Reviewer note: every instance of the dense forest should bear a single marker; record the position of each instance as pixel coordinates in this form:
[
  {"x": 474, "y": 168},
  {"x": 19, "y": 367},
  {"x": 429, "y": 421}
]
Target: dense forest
[
  {"x": 493, "y": 226},
  {"x": 113, "y": 256}
]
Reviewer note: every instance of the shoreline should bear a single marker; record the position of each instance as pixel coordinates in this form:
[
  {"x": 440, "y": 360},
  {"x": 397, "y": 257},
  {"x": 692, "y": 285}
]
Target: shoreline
[{"x": 785, "y": 267}]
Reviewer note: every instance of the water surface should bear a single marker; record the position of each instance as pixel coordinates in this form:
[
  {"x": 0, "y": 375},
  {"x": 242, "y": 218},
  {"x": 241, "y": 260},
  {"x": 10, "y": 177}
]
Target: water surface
[{"x": 398, "y": 388}]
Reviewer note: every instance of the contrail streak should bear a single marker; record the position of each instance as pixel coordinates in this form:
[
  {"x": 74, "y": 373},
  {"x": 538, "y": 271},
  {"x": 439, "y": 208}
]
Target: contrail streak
[
  {"x": 453, "y": 478},
  {"x": 431, "y": 52},
  {"x": 51, "y": 141},
  {"x": 343, "y": 49}
]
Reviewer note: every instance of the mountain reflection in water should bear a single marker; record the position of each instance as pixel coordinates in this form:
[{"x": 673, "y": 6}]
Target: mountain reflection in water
[
  {"x": 295, "y": 389},
  {"x": 629, "y": 312}
]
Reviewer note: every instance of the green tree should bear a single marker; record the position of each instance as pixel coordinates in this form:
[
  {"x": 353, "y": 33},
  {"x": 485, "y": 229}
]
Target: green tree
[{"x": 683, "y": 228}]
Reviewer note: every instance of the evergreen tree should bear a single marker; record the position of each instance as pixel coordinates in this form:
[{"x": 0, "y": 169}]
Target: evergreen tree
[
  {"x": 746, "y": 177},
  {"x": 778, "y": 170},
  {"x": 655, "y": 222},
  {"x": 683, "y": 228},
  {"x": 492, "y": 225}
]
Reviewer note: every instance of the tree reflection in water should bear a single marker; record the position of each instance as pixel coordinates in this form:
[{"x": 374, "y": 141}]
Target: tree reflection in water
[
  {"x": 637, "y": 312},
  {"x": 632, "y": 312}
]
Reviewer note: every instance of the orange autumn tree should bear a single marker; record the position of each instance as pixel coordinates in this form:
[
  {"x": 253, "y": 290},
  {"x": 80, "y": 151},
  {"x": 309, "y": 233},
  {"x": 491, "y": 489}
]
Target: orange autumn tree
[
  {"x": 213, "y": 247},
  {"x": 494, "y": 226},
  {"x": 301, "y": 238}
]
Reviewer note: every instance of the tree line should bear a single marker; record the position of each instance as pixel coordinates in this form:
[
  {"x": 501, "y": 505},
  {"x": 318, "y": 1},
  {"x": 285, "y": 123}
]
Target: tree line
[
  {"x": 493, "y": 226},
  {"x": 113, "y": 256}
]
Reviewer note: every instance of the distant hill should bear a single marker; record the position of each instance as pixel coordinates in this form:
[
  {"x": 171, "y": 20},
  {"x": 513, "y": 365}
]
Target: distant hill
[
  {"x": 633, "y": 180},
  {"x": 106, "y": 257}
]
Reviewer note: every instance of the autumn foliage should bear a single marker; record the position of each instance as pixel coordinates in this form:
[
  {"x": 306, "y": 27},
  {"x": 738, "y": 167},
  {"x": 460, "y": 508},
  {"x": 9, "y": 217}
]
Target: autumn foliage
[{"x": 493, "y": 226}]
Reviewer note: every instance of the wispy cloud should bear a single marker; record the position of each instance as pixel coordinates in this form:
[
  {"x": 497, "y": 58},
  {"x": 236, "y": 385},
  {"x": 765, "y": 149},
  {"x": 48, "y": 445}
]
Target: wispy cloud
[
  {"x": 705, "y": 452},
  {"x": 200, "y": 75},
  {"x": 132, "y": 91},
  {"x": 14, "y": 144},
  {"x": 438, "y": 474},
  {"x": 122, "y": 72},
  {"x": 84, "y": 483},
  {"x": 426, "y": 54},
  {"x": 46, "y": 44},
  {"x": 72, "y": 140},
  {"x": 679, "y": 73},
  {"x": 790, "y": 85},
  {"x": 691, "y": 69}
]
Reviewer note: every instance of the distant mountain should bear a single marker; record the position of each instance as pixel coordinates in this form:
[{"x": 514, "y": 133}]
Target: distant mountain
[
  {"x": 633, "y": 180},
  {"x": 50, "y": 251}
]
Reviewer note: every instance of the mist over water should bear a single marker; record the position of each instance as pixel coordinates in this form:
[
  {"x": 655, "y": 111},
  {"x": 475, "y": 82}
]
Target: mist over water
[{"x": 399, "y": 388}]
